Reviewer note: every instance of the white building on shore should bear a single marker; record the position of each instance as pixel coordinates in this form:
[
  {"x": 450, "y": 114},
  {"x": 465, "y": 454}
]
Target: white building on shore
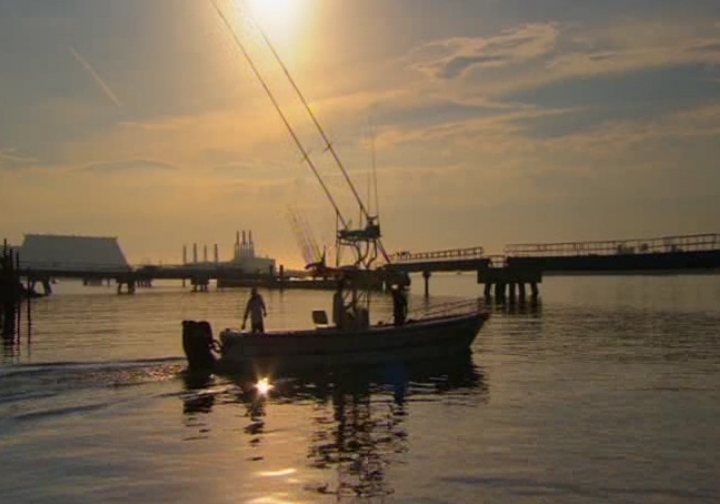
[{"x": 95, "y": 254}]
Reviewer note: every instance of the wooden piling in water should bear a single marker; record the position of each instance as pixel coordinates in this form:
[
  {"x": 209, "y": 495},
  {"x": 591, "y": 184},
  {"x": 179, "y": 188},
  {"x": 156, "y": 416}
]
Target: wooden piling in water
[
  {"x": 18, "y": 297},
  {"x": 512, "y": 293},
  {"x": 28, "y": 300},
  {"x": 10, "y": 293},
  {"x": 510, "y": 277},
  {"x": 426, "y": 275},
  {"x": 522, "y": 294}
]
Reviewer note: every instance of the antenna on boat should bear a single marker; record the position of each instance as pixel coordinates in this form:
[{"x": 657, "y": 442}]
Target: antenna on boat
[{"x": 373, "y": 161}]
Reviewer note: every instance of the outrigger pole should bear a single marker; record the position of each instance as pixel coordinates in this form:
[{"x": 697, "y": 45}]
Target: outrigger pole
[
  {"x": 305, "y": 154},
  {"x": 371, "y": 221},
  {"x": 328, "y": 144},
  {"x": 371, "y": 233}
]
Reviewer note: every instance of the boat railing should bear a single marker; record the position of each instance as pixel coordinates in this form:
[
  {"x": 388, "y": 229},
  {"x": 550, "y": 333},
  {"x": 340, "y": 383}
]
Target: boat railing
[{"x": 461, "y": 307}]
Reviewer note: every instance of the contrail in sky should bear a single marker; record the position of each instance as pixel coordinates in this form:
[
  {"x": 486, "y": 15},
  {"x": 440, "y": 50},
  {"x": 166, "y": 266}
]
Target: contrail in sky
[{"x": 106, "y": 89}]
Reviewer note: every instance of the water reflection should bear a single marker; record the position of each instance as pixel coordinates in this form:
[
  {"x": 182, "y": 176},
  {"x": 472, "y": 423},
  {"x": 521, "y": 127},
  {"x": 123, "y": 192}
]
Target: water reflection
[
  {"x": 359, "y": 414},
  {"x": 532, "y": 308},
  {"x": 201, "y": 403},
  {"x": 10, "y": 350},
  {"x": 13, "y": 348}
]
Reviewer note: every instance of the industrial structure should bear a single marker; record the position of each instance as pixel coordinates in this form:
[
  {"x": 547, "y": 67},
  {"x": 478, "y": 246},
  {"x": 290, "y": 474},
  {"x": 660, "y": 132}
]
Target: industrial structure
[
  {"x": 243, "y": 259},
  {"x": 244, "y": 256}
]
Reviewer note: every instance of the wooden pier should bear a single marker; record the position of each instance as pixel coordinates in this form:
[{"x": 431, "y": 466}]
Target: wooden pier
[
  {"x": 504, "y": 282},
  {"x": 513, "y": 276},
  {"x": 12, "y": 295},
  {"x": 516, "y": 275}
]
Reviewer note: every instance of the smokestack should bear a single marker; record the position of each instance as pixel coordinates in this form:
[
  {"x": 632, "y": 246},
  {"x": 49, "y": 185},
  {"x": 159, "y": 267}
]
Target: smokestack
[
  {"x": 204, "y": 253},
  {"x": 250, "y": 237},
  {"x": 194, "y": 252},
  {"x": 244, "y": 242},
  {"x": 217, "y": 254}
]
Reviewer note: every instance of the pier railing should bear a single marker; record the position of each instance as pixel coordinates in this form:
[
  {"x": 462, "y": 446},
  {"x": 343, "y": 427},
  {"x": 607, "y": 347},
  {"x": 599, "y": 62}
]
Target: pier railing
[
  {"x": 438, "y": 255},
  {"x": 686, "y": 243}
]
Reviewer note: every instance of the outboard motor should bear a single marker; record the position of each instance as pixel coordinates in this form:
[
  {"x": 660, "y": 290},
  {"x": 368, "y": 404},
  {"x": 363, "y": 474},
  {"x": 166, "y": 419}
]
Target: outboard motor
[{"x": 198, "y": 345}]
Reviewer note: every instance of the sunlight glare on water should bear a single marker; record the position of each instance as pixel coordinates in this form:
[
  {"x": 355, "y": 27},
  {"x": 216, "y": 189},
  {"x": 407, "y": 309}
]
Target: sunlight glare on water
[{"x": 263, "y": 386}]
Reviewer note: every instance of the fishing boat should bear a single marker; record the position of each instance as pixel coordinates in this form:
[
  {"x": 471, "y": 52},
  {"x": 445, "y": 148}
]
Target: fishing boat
[
  {"x": 351, "y": 338},
  {"x": 236, "y": 351}
]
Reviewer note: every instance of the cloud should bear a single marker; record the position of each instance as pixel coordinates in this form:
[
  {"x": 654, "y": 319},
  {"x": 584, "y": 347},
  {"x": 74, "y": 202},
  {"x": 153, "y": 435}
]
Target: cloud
[
  {"x": 10, "y": 159},
  {"x": 98, "y": 80},
  {"x": 128, "y": 166},
  {"x": 529, "y": 56},
  {"x": 603, "y": 63},
  {"x": 710, "y": 46},
  {"x": 499, "y": 160},
  {"x": 10, "y": 155},
  {"x": 632, "y": 45},
  {"x": 498, "y": 126},
  {"x": 452, "y": 58}
]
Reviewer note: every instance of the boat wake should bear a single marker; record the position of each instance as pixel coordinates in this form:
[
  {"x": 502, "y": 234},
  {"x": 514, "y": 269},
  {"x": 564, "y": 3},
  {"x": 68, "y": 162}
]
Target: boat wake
[{"x": 26, "y": 383}]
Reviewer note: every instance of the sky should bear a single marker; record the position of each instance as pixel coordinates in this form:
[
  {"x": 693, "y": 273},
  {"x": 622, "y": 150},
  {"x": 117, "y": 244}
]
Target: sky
[{"x": 483, "y": 122}]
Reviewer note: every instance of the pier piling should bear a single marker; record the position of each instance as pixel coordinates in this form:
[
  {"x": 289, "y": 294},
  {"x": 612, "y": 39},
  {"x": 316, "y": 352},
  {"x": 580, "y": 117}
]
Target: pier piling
[
  {"x": 512, "y": 294},
  {"x": 510, "y": 279},
  {"x": 129, "y": 281},
  {"x": 28, "y": 300},
  {"x": 426, "y": 276},
  {"x": 17, "y": 287},
  {"x": 521, "y": 292},
  {"x": 11, "y": 293}
]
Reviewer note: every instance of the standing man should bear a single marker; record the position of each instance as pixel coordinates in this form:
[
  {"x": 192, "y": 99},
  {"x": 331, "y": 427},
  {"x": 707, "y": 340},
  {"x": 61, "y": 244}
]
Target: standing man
[
  {"x": 256, "y": 309},
  {"x": 400, "y": 306}
]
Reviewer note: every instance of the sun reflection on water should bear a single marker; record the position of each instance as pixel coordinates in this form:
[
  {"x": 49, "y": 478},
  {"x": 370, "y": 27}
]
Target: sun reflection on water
[
  {"x": 281, "y": 472},
  {"x": 263, "y": 386},
  {"x": 336, "y": 432}
]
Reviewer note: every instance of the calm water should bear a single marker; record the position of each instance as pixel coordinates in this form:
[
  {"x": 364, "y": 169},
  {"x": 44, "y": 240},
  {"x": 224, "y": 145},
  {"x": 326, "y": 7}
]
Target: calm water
[{"x": 609, "y": 392}]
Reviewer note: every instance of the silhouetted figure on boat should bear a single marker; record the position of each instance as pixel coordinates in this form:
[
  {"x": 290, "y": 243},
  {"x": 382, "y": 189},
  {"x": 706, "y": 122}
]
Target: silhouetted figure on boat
[
  {"x": 255, "y": 308},
  {"x": 348, "y": 315},
  {"x": 400, "y": 305},
  {"x": 340, "y": 312}
]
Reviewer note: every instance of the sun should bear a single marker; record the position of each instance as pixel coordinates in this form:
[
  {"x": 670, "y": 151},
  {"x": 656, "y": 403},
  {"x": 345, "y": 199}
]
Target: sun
[{"x": 279, "y": 18}]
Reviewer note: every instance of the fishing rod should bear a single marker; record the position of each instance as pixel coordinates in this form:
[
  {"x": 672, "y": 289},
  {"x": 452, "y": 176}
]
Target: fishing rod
[
  {"x": 328, "y": 145},
  {"x": 326, "y": 140},
  {"x": 305, "y": 154}
]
